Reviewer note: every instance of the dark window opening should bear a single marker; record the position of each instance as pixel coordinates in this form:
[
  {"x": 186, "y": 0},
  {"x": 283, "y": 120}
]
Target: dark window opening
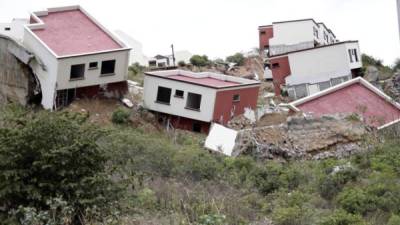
[
  {"x": 355, "y": 54},
  {"x": 77, "y": 71},
  {"x": 7, "y": 28},
  {"x": 236, "y": 98},
  {"x": 196, "y": 127},
  {"x": 262, "y": 32},
  {"x": 350, "y": 55},
  {"x": 164, "y": 95},
  {"x": 193, "y": 101},
  {"x": 162, "y": 64},
  {"x": 108, "y": 67},
  {"x": 275, "y": 65},
  {"x": 152, "y": 63},
  {"x": 93, "y": 65},
  {"x": 179, "y": 93}
]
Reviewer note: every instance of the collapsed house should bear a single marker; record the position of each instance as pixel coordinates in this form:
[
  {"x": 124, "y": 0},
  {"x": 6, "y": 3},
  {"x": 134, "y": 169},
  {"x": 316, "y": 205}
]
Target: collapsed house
[
  {"x": 356, "y": 96},
  {"x": 191, "y": 101},
  {"x": 74, "y": 56},
  {"x": 304, "y": 57}
]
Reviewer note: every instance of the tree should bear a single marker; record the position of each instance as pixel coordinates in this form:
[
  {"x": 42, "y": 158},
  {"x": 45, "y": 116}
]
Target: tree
[
  {"x": 52, "y": 155},
  {"x": 136, "y": 68},
  {"x": 368, "y": 60},
  {"x": 237, "y": 58},
  {"x": 199, "y": 61}
]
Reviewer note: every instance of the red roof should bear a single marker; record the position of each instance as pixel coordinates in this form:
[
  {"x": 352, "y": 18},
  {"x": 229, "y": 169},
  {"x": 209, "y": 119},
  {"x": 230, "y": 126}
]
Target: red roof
[
  {"x": 354, "y": 98},
  {"x": 72, "y": 32},
  {"x": 205, "y": 81}
]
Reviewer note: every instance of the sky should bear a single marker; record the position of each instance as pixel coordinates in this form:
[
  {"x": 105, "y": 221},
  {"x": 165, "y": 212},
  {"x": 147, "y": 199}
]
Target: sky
[{"x": 219, "y": 28}]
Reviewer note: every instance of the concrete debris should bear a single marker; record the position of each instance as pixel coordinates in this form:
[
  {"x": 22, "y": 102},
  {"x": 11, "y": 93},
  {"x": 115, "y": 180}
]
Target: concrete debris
[
  {"x": 221, "y": 139},
  {"x": 128, "y": 103},
  {"x": 392, "y": 87},
  {"x": 302, "y": 137}
]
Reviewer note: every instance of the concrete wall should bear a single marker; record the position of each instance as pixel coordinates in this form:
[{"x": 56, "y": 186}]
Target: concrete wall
[
  {"x": 177, "y": 105},
  {"x": 293, "y": 33},
  {"x": 45, "y": 67},
  {"x": 16, "y": 27},
  {"x": 320, "y": 64},
  {"x": 16, "y": 79},
  {"x": 92, "y": 77}
]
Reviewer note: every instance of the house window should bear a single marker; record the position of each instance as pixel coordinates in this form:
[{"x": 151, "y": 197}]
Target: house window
[
  {"x": 350, "y": 55},
  {"x": 193, "y": 101},
  {"x": 164, "y": 95},
  {"x": 108, "y": 67},
  {"x": 324, "y": 85},
  {"x": 77, "y": 72},
  {"x": 93, "y": 65},
  {"x": 179, "y": 93},
  {"x": 353, "y": 55},
  {"x": 236, "y": 98},
  {"x": 275, "y": 65},
  {"x": 262, "y": 32},
  {"x": 7, "y": 28},
  {"x": 315, "y": 32},
  {"x": 153, "y": 63}
]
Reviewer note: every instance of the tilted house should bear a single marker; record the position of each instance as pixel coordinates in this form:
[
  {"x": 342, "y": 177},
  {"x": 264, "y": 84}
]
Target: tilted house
[
  {"x": 304, "y": 57},
  {"x": 354, "y": 96},
  {"x": 191, "y": 101},
  {"x": 76, "y": 56}
]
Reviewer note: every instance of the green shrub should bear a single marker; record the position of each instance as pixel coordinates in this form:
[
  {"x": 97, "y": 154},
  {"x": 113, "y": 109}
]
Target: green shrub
[
  {"x": 394, "y": 220},
  {"x": 46, "y": 155},
  {"x": 333, "y": 182},
  {"x": 237, "y": 58},
  {"x": 214, "y": 219},
  {"x": 268, "y": 179},
  {"x": 181, "y": 64},
  {"x": 341, "y": 217},
  {"x": 120, "y": 116},
  {"x": 199, "y": 61},
  {"x": 289, "y": 216},
  {"x": 356, "y": 201}
]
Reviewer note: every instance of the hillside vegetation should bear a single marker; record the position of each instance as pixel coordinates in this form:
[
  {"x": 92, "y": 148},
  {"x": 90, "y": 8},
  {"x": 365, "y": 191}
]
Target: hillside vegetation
[{"x": 57, "y": 168}]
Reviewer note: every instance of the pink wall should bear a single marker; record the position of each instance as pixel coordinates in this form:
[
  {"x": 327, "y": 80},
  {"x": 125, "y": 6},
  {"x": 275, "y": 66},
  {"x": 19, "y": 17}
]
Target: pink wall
[
  {"x": 279, "y": 74},
  {"x": 355, "y": 98},
  {"x": 264, "y": 38}
]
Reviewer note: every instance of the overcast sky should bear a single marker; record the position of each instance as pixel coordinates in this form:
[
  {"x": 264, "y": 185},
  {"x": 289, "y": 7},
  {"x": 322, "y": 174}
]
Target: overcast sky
[{"x": 218, "y": 28}]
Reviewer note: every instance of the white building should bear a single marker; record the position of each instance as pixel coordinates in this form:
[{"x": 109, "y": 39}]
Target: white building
[
  {"x": 286, "y": 36},
  {"x": 15, "y": 29},
  {"x": 163, "y": 61},
  {"x": 193, "y": 100},
  {"x": 137, "y": 55},
  {"x": 304, "y": 57},
  {"x": 75, "y": 55}
]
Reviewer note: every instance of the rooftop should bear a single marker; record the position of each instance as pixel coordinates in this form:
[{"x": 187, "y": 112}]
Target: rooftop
[
  {"x": 207, "y": 79},
  {"x": 354, "y": 96},
  {"x": 70, "y": 31}
]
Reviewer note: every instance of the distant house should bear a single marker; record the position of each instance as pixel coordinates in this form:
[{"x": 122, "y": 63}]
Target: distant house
[
  {"x": 76, "y": 56},
  {"x": 303, "y": 57},
  {"x": 191, "y": 101},
  {"x": 353, "y": 96},
  {"x": 165, "y": 61}
]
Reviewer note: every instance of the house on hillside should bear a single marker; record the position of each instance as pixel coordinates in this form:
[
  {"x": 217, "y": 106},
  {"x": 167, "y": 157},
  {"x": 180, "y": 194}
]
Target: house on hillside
[
  {"x": 167, "y": 61},
  {"x": 76, "y": 56},
  {"x": 353, "y": 96},
  {"x": 191, "y": 101},
  {"x": 303, "y": 57}
]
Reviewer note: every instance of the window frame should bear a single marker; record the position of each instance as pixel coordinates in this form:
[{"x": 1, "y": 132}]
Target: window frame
[
  {"x": 93, "y": 67},
  {"x": 103, "y": 74},
  {"x": 179, "y": 96},
  {"x": 169, "y": 97},
  {"x": 189, "y": 97},
  {"x": 81, "y": 77},
  {"x": 236, "y": 99}
]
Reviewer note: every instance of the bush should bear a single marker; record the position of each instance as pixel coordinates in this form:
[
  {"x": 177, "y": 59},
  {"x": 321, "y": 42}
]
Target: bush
[
  {"x": 199, "y": 61},
  {"x": 332, "y": 183},
  {"x": 181, "y": 64},
  {"x": 289, "y": 216},
  {"x": 394, "y": 220},
  {"x": 237, "y": 58},
  {"x": 120, "y": 116},
  {"x": 48, "y": 155},
  {"x": 356, "y": 201},
  {"x": 341, "y": 217}
]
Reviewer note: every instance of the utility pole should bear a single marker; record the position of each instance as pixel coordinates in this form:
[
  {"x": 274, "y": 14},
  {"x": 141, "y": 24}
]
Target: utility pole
[{"x": 173, "y": 52}]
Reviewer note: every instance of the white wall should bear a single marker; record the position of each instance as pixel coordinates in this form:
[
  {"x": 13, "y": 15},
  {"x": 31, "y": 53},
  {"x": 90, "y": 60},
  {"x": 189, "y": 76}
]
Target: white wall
[
  {"x": 317, "y": 65},
  {"x": 354, "y": 64},
  {"x": 293, "y": 33},
  {"x": 92, "y": 77},
  {"x": 177, "y": 106},
  {"x": 137, "y": 55},
  {"x": 47, "y": 77},
  {"x": 16, "y": 31}
]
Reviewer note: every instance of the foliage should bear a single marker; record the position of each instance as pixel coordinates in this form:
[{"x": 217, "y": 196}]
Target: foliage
[
  {"x": 333, "y": 182},
  {"x": 199, "y": 61},
  {"x": 120, "y": 116},
  {"x": 181, "y": 64},
  {"x": 136, "y": 69},
  {"x": 47, "y": 155},
  {"x": 341, "y": 217},
  {"x": 237, "y": 58},
  {"x": 394, "y": 220},
  {"x": 396, "y": 66}
]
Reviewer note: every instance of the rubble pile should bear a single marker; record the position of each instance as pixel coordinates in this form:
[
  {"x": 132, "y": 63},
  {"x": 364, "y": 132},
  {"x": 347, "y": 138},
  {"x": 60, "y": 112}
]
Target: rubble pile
[
  {"x": 392, "y": 87},
  {"x": 304, "y": 138},
  {"x": 240, "y": 123}
]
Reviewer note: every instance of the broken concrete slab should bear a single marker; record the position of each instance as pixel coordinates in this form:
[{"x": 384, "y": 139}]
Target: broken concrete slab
[{"x": 221, "y": 139}]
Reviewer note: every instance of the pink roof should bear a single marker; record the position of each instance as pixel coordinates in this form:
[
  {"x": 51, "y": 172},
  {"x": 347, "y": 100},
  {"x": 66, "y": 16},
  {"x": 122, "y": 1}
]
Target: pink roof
[
  {"x": 355, "y": 98},
  {"x": 205, "y": 81},
  {"x": 72, "y": 32}
]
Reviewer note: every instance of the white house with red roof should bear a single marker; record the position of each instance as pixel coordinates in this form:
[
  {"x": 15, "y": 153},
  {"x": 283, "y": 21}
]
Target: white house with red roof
[
  {"x": 192, "y": 101},
  {"x": 75, "y": 55},
  {"x": 354, "y": 96}
]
